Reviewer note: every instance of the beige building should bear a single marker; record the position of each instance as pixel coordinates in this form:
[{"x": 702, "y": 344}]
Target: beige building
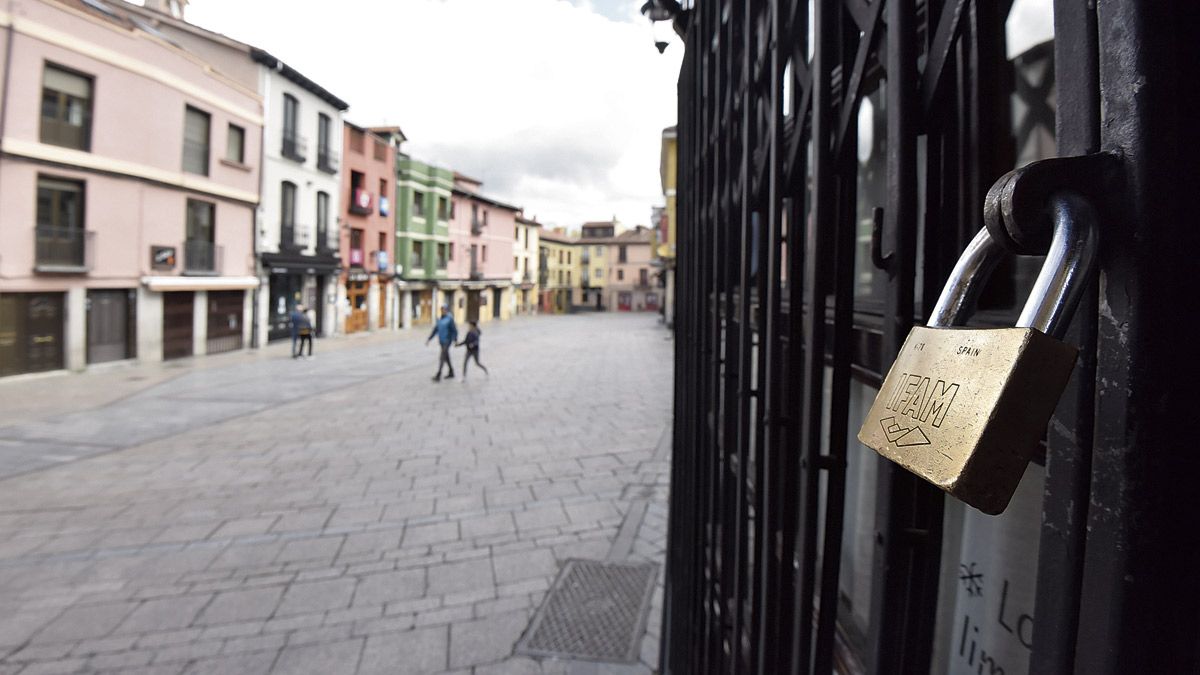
[{"x": 524, "y": 297}]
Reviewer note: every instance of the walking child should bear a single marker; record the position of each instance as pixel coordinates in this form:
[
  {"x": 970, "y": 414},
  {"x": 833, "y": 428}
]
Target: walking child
[{"x": 472, "y": 343}]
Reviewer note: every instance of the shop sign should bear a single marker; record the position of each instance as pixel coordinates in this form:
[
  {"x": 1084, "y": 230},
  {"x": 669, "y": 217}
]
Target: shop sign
[
  {"x": 162, "y": 257},
  {"x": 358, "y": 275}
]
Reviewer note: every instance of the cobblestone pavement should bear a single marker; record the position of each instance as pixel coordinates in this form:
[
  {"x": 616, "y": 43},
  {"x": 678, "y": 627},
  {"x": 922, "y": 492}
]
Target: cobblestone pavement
[{"x": 254, "y": 514}]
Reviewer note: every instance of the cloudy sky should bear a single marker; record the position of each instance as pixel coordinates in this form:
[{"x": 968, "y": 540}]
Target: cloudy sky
[{"x": 557, "y": 105}]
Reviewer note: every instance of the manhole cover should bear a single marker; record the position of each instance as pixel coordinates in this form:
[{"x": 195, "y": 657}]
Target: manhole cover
[{"x": 595, "y": 610}]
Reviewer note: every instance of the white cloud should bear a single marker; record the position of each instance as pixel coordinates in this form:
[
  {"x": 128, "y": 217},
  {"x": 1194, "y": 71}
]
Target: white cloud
[{"x": 557, "y": 106}]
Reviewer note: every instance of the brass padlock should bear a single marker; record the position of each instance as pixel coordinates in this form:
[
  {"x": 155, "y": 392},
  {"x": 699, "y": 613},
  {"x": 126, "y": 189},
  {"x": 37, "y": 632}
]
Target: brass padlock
[{"x": 965, "y": 408}]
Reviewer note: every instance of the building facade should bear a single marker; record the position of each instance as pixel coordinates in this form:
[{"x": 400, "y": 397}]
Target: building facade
[
  {"x": 368, "y": 236},
  {"x": 480, "y": 271},
  {"x": 559, "y": 272},
  {"x": 298, "y": 226},
  {"x": 114, "y": 249},
  {"x": 631, "y": 285},
  {"x": 526, "y": 262},
  {"x": 423, "y": 246},
  {"x": 665, "y": 223},
  {"x": 594, "y": 263}
]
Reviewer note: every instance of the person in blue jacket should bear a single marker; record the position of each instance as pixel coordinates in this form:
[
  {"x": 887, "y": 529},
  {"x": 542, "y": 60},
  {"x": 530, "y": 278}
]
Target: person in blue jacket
[
  {"x": 446, "y": 332},
  {"x": 301, "y": 332}
]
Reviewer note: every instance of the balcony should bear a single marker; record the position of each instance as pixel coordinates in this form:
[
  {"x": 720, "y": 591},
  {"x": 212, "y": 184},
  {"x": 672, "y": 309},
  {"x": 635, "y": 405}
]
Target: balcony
[
  {"x": 201, "y": 257},
  {"x": 327, "y": 160},
  {"x": 323, "y": 245},
  {"x": 287, "y": 237},
  {"x": 415, "y": 264},
  {"x": 476, "y": 226},
  {"x": 356, "y": 257},
  {"x": 295, "y": 146},
  {"x": 360, "y": 204},
  {"x": 63, "y": 250}
]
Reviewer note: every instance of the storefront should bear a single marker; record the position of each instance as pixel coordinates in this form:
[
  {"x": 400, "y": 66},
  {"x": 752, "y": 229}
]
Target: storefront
[{"x": 297, "y": 279}]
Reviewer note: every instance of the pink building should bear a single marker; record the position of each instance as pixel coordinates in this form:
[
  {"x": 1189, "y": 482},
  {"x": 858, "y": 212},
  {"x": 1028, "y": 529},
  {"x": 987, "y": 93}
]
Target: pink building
[
  {"x": 632, "y": 284},
  {"x": 130, "y": 180},
  {"x": 369, "y": 236},
  {"x": 479, "y": 273}
]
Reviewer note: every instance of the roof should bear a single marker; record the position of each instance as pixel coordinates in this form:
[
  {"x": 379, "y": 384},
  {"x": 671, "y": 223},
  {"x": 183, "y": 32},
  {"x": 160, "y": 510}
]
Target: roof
[
  {"x": 388, "y": 131},
  {"x": 557, "y": 237},
  {"x": 267, "y": 59},
  {"x": 527, "y": 221},
  {"x": 637, "y": 236},
  {"x": 486, "y": 200}
]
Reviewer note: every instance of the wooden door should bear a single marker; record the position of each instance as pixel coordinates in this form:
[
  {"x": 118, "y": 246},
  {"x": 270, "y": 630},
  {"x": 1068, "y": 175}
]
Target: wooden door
[
  {"x": 224, "y": 321},
  {"x": 472, "y": 305},
  {"x": 109, "y": 325},
  {"x": 497, "y": 296},
  {"x": 177, "y": 324},
  {"x": 356, "y": 292},
  {"x": 383, "y": 304}
]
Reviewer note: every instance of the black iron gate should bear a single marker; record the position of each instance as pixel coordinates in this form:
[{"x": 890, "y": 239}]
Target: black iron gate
[{"x": 834, "y": 158}]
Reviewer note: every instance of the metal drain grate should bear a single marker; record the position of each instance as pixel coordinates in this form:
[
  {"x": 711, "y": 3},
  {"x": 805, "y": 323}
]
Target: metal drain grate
[{"x": 595, "y": 610}]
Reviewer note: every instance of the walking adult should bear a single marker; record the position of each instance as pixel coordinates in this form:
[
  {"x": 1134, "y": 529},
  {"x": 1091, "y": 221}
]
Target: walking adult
[
  {"x": 471, "y": 341},
  {"x": 301, "y": 332},
  {"x": 446, "y": 332}
]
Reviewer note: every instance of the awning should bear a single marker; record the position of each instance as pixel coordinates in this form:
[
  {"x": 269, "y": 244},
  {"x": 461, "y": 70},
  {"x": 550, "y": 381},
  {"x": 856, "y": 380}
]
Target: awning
[{"x": 183, "y": 283}]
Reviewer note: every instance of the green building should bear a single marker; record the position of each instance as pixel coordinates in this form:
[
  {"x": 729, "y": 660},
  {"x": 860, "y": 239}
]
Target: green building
[{"x": 422, "y": 237}]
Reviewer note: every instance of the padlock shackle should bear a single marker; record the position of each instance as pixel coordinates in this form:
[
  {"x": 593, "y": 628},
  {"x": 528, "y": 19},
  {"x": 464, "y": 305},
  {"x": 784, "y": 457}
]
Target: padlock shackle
[
  {"x": 966, "y": 281},
  {"x": 1069, "y": 263},
  {"x": 1059, "y": 285}
]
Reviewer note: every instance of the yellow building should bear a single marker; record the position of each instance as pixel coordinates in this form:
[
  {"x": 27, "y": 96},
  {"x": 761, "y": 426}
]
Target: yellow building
[
  {"x": 665, "y": 251},
  {"x": 559, "y": 263},
  {"x": 594, "y": 262}
]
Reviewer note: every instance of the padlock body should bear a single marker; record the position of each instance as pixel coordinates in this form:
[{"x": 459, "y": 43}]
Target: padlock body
[{"x": 965, "y": 408}]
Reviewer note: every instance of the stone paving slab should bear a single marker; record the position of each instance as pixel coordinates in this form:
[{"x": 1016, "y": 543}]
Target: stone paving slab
[{"x": 338, "y": 515}]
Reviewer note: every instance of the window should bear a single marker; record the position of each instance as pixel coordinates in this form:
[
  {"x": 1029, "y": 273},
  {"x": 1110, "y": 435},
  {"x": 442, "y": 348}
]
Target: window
[
  {"x": 195, "y": 141},
  {"x": 200, "y": 225},
  {"x": 560, "y": 257},
  {"x": 326, "y": 158},
  {"x": 599, "y": 250},
  {"x": 451, "y": 208},
  {"x": 382, "y": 241},
  {"x": 516, "y": 264},
  {"x": 235, "y": 144},
  {"x": 418, "y": 204},
  {"x": 485, "y": 217},
  {"x": 383, "y": 191},
  {"x": 60, "y": 236},
  {"x": 444, "y": 208},
  {"x": 66, "y": 108},
  {"x": 451, "y": 251},
  {"x": 568, "y": 257},
  {"x": 356, "y": 141},
  {"x": 517, "y": 234},
  {"x": 418, "y": 258},
  {"x": 620, "y": 275},
  {"x": 568, "y": 278},
  {"x": 441, "y": 256},
  {"x": 484, "y": 250},
  {"x": 287, "y": 213},
  {"x": 643, "y": 277},
  {"x": 293, "y": 145},
  {"x": 598, "y": 274},
  {"x": 356, "y": 246},
  {"x": 621, "y": 253},
  {"x": 381, "y": 151},
  {"x": 200, "y": 251},
  {"x": 322, "y": 220}
]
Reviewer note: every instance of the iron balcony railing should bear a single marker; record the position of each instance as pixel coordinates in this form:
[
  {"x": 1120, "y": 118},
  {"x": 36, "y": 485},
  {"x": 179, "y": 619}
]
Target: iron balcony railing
[
  {"x": 63, "y": 249},
  {"x": 476, "y": 270},
  {"x": 361, "y": 203},
  {"x": 476, "y": 226},
  {"x": 327, "y": 160},
  {"x": 201, "y": 257},
  {"x": 295, "y": 146},
  {"x": 415, "y": 264}
]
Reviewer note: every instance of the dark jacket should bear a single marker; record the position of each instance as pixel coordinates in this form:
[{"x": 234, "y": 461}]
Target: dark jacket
[
  {"x": 472, "y": 339},
  {"x": 300, "y": 323}
]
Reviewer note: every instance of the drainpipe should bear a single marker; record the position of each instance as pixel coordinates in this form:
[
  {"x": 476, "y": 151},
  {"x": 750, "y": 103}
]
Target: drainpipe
[
  {"x": 262, "y": 180},
  {"x": 8, "y": 48}
]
